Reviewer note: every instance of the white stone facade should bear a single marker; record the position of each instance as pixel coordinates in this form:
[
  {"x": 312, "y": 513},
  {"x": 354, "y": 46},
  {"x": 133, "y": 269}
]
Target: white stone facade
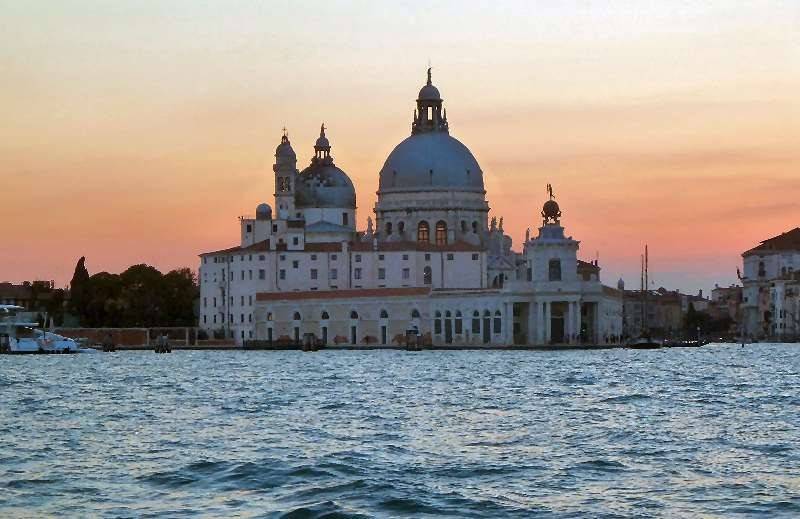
[{"x": 433, "y": 263}]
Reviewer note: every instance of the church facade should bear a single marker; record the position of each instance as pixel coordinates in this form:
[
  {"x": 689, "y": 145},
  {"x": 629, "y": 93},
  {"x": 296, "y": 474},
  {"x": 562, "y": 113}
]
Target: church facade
[{"x": 431, "y": 267}]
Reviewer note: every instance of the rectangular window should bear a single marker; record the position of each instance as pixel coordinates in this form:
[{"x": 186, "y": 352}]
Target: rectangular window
[
  {"x": 345, "y": 219},
  {"x": 313, "y": 273},
  {"x": 215, "y": 302},
  {"x": 295, "y": 264},
  {"x": 357, "y": 273},
  {"x": 215, "y": 318},
  {"x": 242, "y": 274},
  {"x": 295, "y": 240},
  {"x": 262, "y": 274},
  {"x": 358, "y": 258},
  {"x": 449, "y": 257},
  {"x": 205, "y": 302},
  {"x": 249, "y": 227},
  {"x": 380, "y": 257},
  {"x": 427, "y": 257},
  {"x": 313, "y": 257},
  {"x": 476, "y": 326},
  {"x": 474, "y": 257},
  {"x": 261, "y": 257},
  {"x": 283, "y": 257},
  {"x": 334, "y": 274},
  {"x": 333, "y": 257},
  {"x": 249, "y": 318},
  {"x": 381, "y": 273},
  {"x": 231, "y": 303},
  {"x": 242, "y": 303},
  {"x": 250, "y": 275},
  {"x": 242, "y": 318},
  {"x": 405, "y": 257},
  {"x": 274, "y": 228},
  {"x": 282, "y": 274},
  {"x": 554, "y": 270},
  {"x": 406, "y": 273},
  {"x": 250, "y": 300},
  {"x": 204, "y": 319}
]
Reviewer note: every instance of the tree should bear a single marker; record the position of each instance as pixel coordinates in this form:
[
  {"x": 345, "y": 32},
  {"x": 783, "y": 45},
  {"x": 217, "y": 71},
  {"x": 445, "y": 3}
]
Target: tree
[{"x": 79, "y": 289}]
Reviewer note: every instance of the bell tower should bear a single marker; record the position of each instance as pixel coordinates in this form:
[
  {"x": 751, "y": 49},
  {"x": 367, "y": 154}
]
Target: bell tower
[{"x": 285, "y": 169}]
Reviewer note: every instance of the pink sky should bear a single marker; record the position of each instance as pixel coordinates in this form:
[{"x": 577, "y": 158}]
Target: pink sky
[{"x": 139, "y": 132}]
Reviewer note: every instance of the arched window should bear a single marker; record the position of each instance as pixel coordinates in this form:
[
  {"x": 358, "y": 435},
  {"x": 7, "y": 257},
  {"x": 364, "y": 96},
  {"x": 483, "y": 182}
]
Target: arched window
[
  {"x": 297, "y": 316},
  {"x": 415, "y": 314},
  {"x": 441, "y": 233},
  {"x": 555, "y": 269},
  {"x": 269, "y": 316},
  {"x": 401, "y": 227},
  {"x": 463, "y": 227},
  {"x": 353, "y": 315},
  {"x": 475, "y": 227},
  {"x": 388, "y": 228},
  {"x": 437, "y": 323},
  {"x": 427, "y": 275},
  {"x": 476, "y": 322},
  {"x": 762, "y": 271},
  {"x": 459, "y": 329},
  {"x": 423, "y": 232},
  {"x": 384, "y": 314},
  {"x": 325, "y": 316},
  {"x": 448, "y": 314},
  {"x": 498, "y": 322}
]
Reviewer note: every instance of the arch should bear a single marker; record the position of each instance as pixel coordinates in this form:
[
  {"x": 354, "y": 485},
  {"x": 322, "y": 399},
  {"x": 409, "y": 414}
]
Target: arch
[
  {"x": 415, "y": 314},
  {"x": 388, "y": 228},
  {"x": 384, "y": 314},
  {"x": 269, "y": 316},
  {"x": 448, "y": 314},
  {"x": 353, "y": 314},
  {"x": 459, "y": 326},
  {"x": 498, "y": 322},
  {"x": 438, "y": 314},
  {"x": 427, "y": 275},
  {"x": 423, "y": 232},
  {"x": 441, "y": 232},
  {"x": 325, "y": 316},
  {"x": 476, "y": 323},
  {"x": 297, "y": 317}
]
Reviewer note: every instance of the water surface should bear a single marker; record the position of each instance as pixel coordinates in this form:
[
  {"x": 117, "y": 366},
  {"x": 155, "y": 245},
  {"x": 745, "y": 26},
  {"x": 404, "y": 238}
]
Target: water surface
[{"x": 712, "y": 431}]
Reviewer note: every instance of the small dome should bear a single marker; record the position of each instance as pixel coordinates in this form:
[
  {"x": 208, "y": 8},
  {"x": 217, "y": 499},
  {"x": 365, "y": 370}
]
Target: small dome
[
  {"x": 263, "y": 212},
  {"x": 429, "y": 93},
  {"x": 322, "y": 142},
  {"x": 284, "y": 149},
  {"x": 324, "y": 185},
  {"x": 621, "y": 284}
]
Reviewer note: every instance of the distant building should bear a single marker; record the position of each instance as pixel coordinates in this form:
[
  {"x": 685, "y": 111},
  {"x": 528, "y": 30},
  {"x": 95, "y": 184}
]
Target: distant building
[
  {"x": 726, "y": 302},
  {"x": 666, "y": 311},
  {"x": 32, "y": 296},
  {"x": 434, "y": 264},
  {"x": 771, "y": 288}
]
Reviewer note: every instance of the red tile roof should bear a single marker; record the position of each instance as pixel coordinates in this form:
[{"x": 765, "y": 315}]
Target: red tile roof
[
  {"x": 342, "y": 294},
  {"x": 261, "y": 246},
  {"x": 789, "y": 240}
]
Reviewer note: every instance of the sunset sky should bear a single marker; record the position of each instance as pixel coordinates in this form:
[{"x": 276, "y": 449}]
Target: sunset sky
[{"x": 136, "y": 132}]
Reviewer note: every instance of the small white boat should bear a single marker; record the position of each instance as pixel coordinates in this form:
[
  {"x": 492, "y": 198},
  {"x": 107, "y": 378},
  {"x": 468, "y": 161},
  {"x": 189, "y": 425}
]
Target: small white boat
[{"x": 18, "y": 336}]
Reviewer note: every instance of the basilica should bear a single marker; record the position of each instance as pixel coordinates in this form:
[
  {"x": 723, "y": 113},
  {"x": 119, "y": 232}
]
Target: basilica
[{"x": 431, "y": 267}]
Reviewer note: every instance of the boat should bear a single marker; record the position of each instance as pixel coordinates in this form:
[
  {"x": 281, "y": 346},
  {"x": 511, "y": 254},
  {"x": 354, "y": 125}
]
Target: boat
[
  {"x": 644, "y": 341},
  {"x": 19, "y": 336}
]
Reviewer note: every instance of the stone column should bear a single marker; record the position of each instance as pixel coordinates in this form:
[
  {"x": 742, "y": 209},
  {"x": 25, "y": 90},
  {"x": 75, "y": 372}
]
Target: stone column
[
  {"x": 533, "y": 310},
  {"x": 570, "y": 321},
  {"x": 578, "y": 319},
  {"x": 547, "y": 317}
]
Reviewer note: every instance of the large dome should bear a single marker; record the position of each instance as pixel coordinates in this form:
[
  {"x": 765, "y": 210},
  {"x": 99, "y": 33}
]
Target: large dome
[
  {"x": 324, "y": 185},
  {"x": 431, "y": 160}
]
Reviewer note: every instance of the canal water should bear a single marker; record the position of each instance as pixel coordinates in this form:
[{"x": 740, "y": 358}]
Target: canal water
[{"x": 712, "y": 432}]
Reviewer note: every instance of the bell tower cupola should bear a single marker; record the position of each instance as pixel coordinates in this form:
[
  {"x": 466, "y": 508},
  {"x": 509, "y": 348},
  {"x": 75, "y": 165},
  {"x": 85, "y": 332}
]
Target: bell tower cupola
[{"x": 285, "y": 169}]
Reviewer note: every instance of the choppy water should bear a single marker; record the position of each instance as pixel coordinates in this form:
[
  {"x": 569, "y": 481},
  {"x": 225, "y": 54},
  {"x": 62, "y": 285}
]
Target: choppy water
[{"x": 679, "y": 432}]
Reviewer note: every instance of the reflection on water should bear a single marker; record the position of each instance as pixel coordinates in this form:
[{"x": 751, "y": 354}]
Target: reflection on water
[{"x": 686, "y": 432}]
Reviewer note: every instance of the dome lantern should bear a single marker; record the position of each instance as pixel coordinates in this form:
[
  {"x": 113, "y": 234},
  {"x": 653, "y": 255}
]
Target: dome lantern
[{"x": 428, "y": 116}]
